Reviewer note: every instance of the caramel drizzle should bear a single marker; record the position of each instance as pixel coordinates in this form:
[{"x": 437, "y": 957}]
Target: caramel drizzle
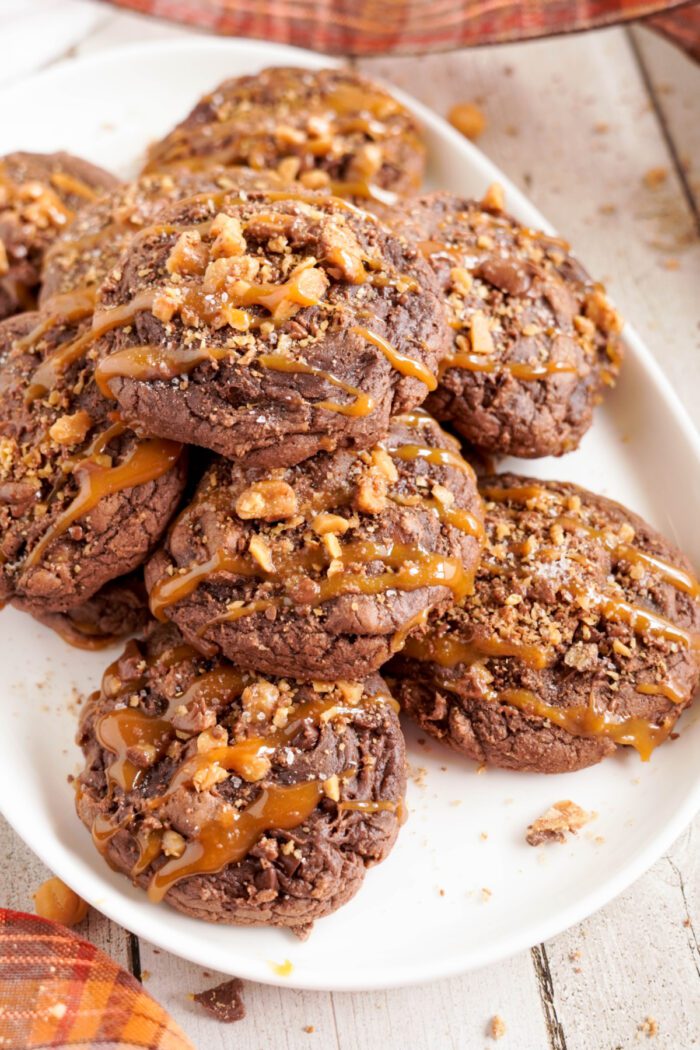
[
  {"x": 450, "y": 652},
  {"x": 406, "y": 366},
  {"x": 76, "y": 187},
  {"x": 667, "y": 689},
  {"x": 412, "y": 568},
  {"x": 52, "y": 368},
  {"x": 440, "y": 457},
  {"x": 639, "y": 733},
  {"x": 361, "y": 405},
  {"x": 518, "y": 369},
  {"x": 148, "y": 461}
]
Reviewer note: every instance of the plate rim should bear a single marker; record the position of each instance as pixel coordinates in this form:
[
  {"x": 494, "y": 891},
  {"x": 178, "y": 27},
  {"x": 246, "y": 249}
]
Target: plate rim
[{"x": 609, "y": 888}]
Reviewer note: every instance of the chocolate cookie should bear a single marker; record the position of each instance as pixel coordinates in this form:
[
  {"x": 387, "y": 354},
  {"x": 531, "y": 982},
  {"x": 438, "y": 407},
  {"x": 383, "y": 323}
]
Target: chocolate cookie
[
  {"x": 322, "y": 569},
  {"x": 118, "y": 609},
  {"x": 270, "y": 327},
  {"x": 83, "y": 499},
  {"x": 535, "y": 340},
  {"x": 236, "y": 798},
  {"x": 326, "y": 127},
  {"x": 83, "y": 255},
  {"x": 39, "y": 195},
  {"x": 582, "y": 636}
]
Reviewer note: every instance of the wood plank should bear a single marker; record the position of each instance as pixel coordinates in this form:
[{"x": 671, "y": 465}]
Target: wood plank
[
  {"x": 675, "y": 81},
  {"x": 571, "y": 123},
  {"x": 275, "y": 1017},
  {"x": 451, "y": 1015},
  {"x": 26, "y": 873},
  {"x": 635, "y": 963}
]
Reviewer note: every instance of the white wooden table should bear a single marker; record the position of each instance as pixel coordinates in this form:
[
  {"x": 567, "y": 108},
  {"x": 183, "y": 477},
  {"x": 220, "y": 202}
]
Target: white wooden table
[{"x": 577, "y": 122}]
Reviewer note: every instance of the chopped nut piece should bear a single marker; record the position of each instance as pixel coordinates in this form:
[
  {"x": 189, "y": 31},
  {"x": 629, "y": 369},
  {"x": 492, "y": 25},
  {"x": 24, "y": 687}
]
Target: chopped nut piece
[
  {"x": 351, "y": 691},
  {"x": 208, "y": 776},
  {"x": 70, "y": 430},
  {"x": 601, "y": 311},
  {"x": 228, "y": 237},
  {"x": 267, "y": 500},
  {"x": 649, "y": 1027},
  {"x": 443, "y": 495},
  {"x": 553, "y": 826},
  {"x": 385, "y": 464},
  {"x": 480, "y": 334},
  {"x": 331, "y": 788},
  {"x": 370, "y": 497},
  {"x": 260, "y": 700},
  {"x": 58, "y": 903},
  {"x": 332, "y": 545},
  {"x": 497, "y": 1027},
  {"x": 365, "y": 163},
  {"x": 323, "y": 524},
  {"x": 315, "y": 180},
  {"x": 188, "y": 255},
  {"x": 461, "y": 280},
  {"x": 467, "y": 118},
  {"x": 173, "y": 844},
  {"x": 262, "y": 553},
  {"x": 494, "y": 199},
  {"x": 165, "y": 305}
]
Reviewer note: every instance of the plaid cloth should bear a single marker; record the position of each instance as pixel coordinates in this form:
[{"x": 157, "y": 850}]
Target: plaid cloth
[
  {"x": 373, "y": 27},
  {"x": 57, "y": 990}
]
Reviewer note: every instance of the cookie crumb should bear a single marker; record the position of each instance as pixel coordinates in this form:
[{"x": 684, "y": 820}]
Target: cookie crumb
[
  {"x": 655, "y": 177},
  {"x": 649, "y": 1027},
  {"x": 496, "y": 1027},
  {"x": 553, "y": 826},
  {"x": 224, "y": 1002},
  {"x": 309, "y": 1028},
  {"x": 467, "y": 118}
]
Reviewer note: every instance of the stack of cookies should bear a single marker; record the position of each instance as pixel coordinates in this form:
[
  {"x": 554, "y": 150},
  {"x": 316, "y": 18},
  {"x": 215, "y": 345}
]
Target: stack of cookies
[{"x": 221, "y": 390}]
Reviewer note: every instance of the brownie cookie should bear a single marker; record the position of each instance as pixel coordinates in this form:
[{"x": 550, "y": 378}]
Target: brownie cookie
[
  {"x": 582, "y": 636},
  {"x": 270, "y": 327},
  {"x": 236, "y": 798},
  {"x": 39, "y": 195},
  {"x": 118, "y": 609},
  {"x": 83, "y": 255},
  {"x": 324, "y": 568},
  {"x": 535, "y": 341},
  {"x": 328, "y": 127},
  {"x": 83, "y": 499}
]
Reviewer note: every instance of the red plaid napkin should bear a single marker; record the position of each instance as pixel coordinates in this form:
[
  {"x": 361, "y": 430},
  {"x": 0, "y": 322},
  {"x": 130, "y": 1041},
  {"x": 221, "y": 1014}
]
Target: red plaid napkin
[
  {"x": 57, "y": 990},
  {"x": 371, "y": 27}
]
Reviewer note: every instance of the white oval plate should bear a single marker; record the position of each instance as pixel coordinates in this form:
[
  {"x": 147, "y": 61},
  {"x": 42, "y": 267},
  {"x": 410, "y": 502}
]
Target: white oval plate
[{"x": 448, "y": 899}]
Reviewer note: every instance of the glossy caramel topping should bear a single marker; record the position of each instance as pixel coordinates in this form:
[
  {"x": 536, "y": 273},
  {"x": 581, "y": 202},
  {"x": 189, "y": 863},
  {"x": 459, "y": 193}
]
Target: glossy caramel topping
[
  {"x": 361, "y": 405},
  {"x": 127, "y": 729},
  {"x": 150, "y": 363},
  {"x": 440, "y": 457},
  {"x": 519, "y": 369},
  {"x": 48, "y": 374},
  {"x": 403, "y": 364},
  {"x": 642, "y": 734},
  {"x": 408, "y": 569},
  {"x": 448, "y": 651},
  {"x": 74, "y": 186},
  {"x": 669, "y": 689},
  {"x": 229, "y": 836},
  {"x": 148, "y": 460}
]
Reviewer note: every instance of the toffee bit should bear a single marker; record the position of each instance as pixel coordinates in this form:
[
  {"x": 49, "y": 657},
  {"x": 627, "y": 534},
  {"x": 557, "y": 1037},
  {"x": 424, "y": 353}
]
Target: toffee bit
[
  {"x": 559, "y": 820},
  {"x": 224, "y": 1002}
]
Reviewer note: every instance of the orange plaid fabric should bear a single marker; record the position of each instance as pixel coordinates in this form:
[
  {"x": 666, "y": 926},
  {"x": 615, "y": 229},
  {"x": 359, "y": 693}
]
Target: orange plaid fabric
[
  {"x": 371, "y": 27},
  {"x": 58, "y": 990}
]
